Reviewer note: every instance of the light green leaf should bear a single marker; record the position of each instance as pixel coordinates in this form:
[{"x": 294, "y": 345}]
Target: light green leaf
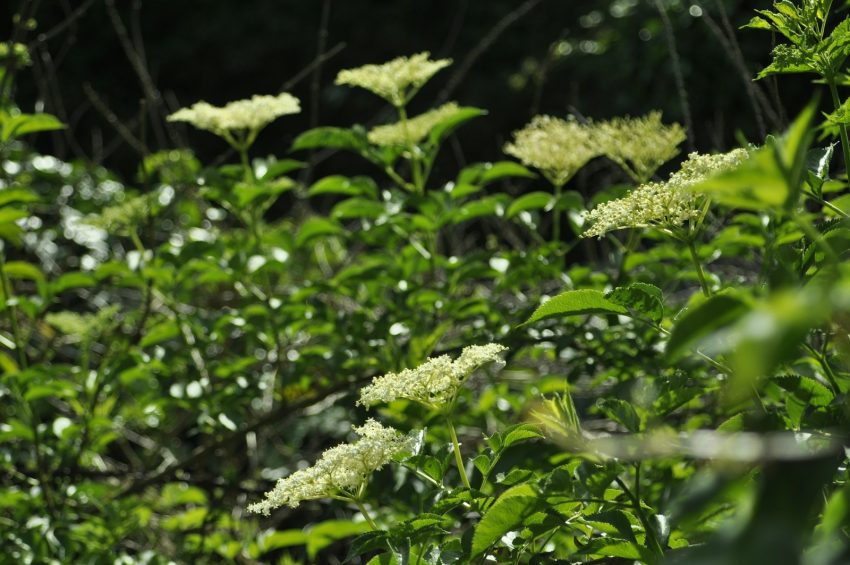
[
  {"x": 531, "y": 201},
  {"x": 316, "y": 227},
  {"x": 507, "y": 513},
  {"x": 701, "y": 321},
  {"x": 577, "y": 302}
]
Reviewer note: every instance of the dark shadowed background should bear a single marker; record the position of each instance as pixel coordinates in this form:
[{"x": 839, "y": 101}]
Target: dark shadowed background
[{"x": 513, "y": 58}]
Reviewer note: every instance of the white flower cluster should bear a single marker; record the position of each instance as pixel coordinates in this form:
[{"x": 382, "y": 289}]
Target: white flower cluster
[
  {"x": 340, "y": 471},
  {"x": 249, "y": 115},
  {"x": 556, "y": 147},
  {"x": 639, "y": 145},
  {"x": 395, "y": 81},
  {"x": 414, "y": 129},
  {"x": 123, "y": 217},
  {"x": 435, "y": 382},
  {"x": 663, "y": 205}
]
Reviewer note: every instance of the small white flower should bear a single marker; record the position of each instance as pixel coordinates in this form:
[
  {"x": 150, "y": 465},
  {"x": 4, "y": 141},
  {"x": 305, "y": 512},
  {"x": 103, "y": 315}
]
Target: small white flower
[
  {"x": 414, "y": 129},
  {"x": 557, "y": 148},
  {"x": 250, "y": 115},
  {"x": 663, "y": 205},
  {"x": 341, "y": 471},
  {"x": 395, "y": 81},
  {"x": 435, "y": 382}
]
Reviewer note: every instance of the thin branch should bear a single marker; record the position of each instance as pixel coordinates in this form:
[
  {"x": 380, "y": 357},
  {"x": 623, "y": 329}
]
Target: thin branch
[
  {"x": 114, "y": 121},
  {"x": 677, "y": 73},
  {"x": 486, "y": 42},
  {"x": 63, "y": 25},
  {"x": 317, "y": 62}
]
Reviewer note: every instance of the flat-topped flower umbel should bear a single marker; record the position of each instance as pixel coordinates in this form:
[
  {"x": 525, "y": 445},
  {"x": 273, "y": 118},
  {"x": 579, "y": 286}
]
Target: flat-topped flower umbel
[
  {"x": 249, "y": 115},
  {"x": 662, "y": 205},
  {"x": 557, "y": 148},
  {"x": 395, "y": 81},
  {"x": 435, "y": 382},
  {"x": 341, "y": 472},
  {"x": 639, "y": 145},
  {"x": 412, "y": 130}
]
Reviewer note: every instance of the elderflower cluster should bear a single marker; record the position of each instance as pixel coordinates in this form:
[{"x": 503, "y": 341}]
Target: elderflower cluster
[
  {"x": 82, "y": 327},
  {"x": 249, "y": 115},
  {"x": 414, "y": 129},
  {"x": 341, "y": 471},
  {"x": 123, "y": 217},
  {"x": 395, "y": 81},
  {"x": 639, "y": 145},
  {"x": 556, "y": 147},
  {"x": 663, "y": 205},
  {"x": 433, "y": 383}
]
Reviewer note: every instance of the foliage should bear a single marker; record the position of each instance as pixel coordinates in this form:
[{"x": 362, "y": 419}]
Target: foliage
[{"x": 173, "y": 351}]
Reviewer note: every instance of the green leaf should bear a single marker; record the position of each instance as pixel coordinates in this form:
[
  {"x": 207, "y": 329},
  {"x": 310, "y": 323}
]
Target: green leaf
[
  {"x": 489, "y": 206},
  {"x": 326, "y": 533},
  {"x": 358, "y": 208},
  {"x": 518, "y": 433},
  {"x": 22, "y": 124},
  {"x": 445, "y": 128},
  {"x": 331, "y": 138},
  {"x": 278, "y": 168},
  {"x": 278, "y": 540},
  {"x": 338, "y": 184},
  {"x": 162, "y": 331},
  {"x": 248, "y": 193},
  {"x": 577, "y": 302},
  {"x": 23, "y": 195},
  {"x": 701, "y": 321},
  {"x": 531, "y": 201},
  {"x": 316, "y": 227},
  {"x": 507, "y": 513},
  {"x": 621, "y": 412},
  {"x": 641, "y": 298},
  {"x": 72, "y": 280}
]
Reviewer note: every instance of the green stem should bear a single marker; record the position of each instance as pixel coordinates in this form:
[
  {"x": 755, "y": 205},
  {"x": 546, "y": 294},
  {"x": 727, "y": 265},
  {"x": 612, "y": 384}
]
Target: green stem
[
  {"x": 652, "y": 542},
  {"x": 11, "y": 312},
  {"x": 556, "y": 217},
  {"x": 842, "y": 128},
  {"x": 415, "y": 163},
  {"x": 703, "y": 282},
  {"x": 458, "y": 458},
  {"x": 827, "y": 204},
  {"x": 366, "y": 514},
  {"x": 246, "y": 164}
]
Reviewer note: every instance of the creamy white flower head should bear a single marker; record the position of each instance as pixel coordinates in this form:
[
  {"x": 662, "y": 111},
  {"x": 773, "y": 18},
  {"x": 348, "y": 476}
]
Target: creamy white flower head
[
  {"x": 662, "y": 205},
  {"x": 556, "y": 147},
  {"x": 249, "y": 115},
  {"x": 414, "y": 129},
  {"x": 639, "y": 145},
  {"x": 434, "y": 383},
  {"x": 341, "y": 471},
  {"x": 395, "y": 81}
]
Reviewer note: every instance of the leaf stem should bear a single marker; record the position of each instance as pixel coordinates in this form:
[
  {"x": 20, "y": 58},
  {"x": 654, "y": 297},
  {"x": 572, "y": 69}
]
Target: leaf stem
[
  {"x": 842, "y": 128},
  {"x": 365, "y": 513},
  {"x": 458, "y": 458},
  {"x": 703, "y": 282}
]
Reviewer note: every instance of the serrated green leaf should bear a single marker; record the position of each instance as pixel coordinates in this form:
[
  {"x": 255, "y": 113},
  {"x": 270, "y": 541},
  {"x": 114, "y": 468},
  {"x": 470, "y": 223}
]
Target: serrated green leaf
[
  {"x": 641, "y": 298},
  {"x": 577, "y": 302},
  {"x": 507, "y": 513}
]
